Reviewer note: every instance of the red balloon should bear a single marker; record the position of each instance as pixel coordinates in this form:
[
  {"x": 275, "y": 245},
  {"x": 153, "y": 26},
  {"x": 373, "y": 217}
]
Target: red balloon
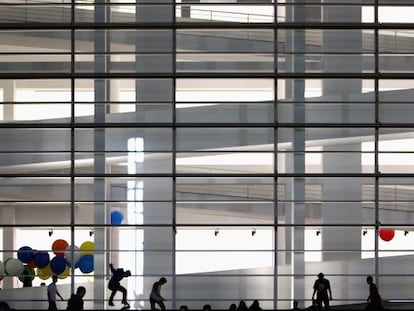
[
  {"x": 32, "y": 264},
  {"x": 59, "y": 246},
  {"x": 386, "y": 234}
]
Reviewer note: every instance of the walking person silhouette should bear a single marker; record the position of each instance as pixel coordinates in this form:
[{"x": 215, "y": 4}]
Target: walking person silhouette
[
  {"x": 155, "y": 295},
  {"x": 52, "y": 292},
  {"x": 374, "y": 299}
]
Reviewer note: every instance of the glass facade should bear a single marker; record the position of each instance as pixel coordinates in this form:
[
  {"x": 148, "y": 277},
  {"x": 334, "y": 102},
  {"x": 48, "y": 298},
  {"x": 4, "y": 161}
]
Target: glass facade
[{"x": 235, "y": 147}]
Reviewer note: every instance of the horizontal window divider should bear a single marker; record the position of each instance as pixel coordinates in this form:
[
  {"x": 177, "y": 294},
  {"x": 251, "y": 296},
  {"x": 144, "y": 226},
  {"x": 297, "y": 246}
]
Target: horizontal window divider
[
  {"x": 275, "y": 225},
  {"x": 247, "y": 3},
  {"x": 285, "y": 275},
  {"x": 341, "y": 201},
  {"x": 110, "y": 53},
  {"x": 210, "y": 225},
  {"x": 82, "y": 125},
  {"x": 343, "y": 25},
  {"x": 119, "y": 102},
  {"x": 203, "y": 25},
  {"x": 223, "y": 250},
  {"x": 351, "y": 3},
  {"x": 69, "y": 151},
  {"x": 192, "y": 275},
  {"x": 322, "y": 53},
  {"x": 205, "y": 75},
  {"x": 310, "y": 102},
  {"x": 212, "y": 175},
  {"x": 81, "y": 202}
]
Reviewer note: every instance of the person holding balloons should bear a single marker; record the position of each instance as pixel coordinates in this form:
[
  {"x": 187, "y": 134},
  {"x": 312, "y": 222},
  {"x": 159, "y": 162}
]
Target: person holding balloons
[{"x": 52, "y": 292}]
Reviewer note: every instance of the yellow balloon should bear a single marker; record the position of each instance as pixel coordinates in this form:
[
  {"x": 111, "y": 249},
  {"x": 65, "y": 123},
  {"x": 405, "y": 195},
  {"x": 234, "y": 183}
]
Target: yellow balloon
[
  {"x": 87, "y": 248},
  {"x": 64, "y": 274},
  {"x": 45, "y": 272}
]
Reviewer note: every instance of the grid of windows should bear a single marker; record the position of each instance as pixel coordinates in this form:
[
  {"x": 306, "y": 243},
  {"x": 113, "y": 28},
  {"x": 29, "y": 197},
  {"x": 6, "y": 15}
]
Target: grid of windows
[{"x": 235, "y": 147}]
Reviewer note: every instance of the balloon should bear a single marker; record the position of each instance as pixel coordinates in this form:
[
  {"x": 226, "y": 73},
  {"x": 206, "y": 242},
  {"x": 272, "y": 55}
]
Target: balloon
[
  {"x": 76, "y": 254},
  {"x": 45, "y": 272},
  {"x": 5, "y": 262},
  {"x": 25, "y": 254},
  {"x": 14, "y": 267},
  {"x": 386, "y": 234},
  {"x": 87, "y": 248},
  {"x": 58, "y": 264},
  {"x": 32, "y": 264},
  {"x": 41, "y": 259},
  {"x": 64, "y": 274},
  {"x": 27, "y": 273},
  {"x": 116, "y": 217},
  {"x": 59, "y": 246},
  {"x": 86, "y": 264}
]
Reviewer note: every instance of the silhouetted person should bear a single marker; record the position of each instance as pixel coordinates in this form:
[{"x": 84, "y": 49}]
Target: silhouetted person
[
  {"x": 233, "y": 307},
  {"x": 52, "y": 292},
  {"x": 322, "y": 289},
  {"x": 115, "y": 284},
  {"x": 374, "y": 299},
  {"x": 295, "y": 306},
  {"x": 207, "y": 307},
  {"x": 242, "y": 306},
  {"x": 4, "y": 306},
  {"x": 255, "y": 306},
  {"x": 75, "y": 302},
  {"x": 27, "y": 279},
  {"x": 155, "y": 295},
  {"x": 313, "y": 307}
]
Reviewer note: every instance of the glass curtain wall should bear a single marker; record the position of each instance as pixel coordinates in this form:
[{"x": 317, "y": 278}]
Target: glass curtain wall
[{"x": 235, "y": 147}]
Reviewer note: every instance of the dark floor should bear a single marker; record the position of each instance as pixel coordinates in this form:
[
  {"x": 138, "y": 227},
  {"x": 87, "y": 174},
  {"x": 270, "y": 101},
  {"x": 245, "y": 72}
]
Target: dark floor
[{"x": 351, "y": 307}]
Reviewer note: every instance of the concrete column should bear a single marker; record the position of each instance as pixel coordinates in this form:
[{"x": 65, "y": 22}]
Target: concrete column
[
  {"x": 154, "y": 13},
  {"x": 151, "y": 90},
  {"x": 342, "y": 41},
  {"x": 9, "y": 95},
  {"x": 147, "y": 91},
  {"x": 296, "y": 91},
  {"x": 115, "y": 91},
  {"x": 100, "y": 212},
  {"x": 341, "y": 189},
  {"x": 9, "y": 217},
  {"x": 337, "y": 189}
]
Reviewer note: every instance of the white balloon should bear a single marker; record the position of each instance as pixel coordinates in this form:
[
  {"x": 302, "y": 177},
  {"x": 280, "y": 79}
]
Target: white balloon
[
  {"x": 76, "y": 254},
  {"x": 2, "y": 269},
  {"x": 14, "y": 267}
]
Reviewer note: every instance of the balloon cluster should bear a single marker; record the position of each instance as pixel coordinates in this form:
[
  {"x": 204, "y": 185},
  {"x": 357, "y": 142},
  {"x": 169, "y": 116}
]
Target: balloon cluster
[{"x": 29, "y": 259}]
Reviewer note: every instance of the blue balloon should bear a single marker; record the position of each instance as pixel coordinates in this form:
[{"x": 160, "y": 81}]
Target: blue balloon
[
  {"x": 58, "y": 264},
  {"x": 41, "y": 259},
  {"x": 25, "y": 254},
  {"x": 116, "y": 217},
  {"x": 86, "y": 264}
]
